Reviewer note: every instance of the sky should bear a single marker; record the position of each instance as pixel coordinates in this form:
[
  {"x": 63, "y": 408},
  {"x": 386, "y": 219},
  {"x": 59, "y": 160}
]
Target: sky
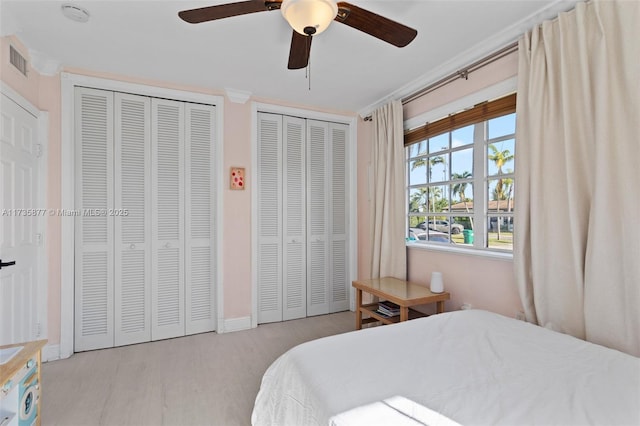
[{"x": 461, "y": 160}]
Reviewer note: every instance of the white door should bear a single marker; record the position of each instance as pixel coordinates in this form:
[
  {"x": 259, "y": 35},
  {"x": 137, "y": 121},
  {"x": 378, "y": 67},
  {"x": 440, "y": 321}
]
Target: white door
[
  {"x": 302, "y": 207},
  {"x": 317, "y": 217},
  {"x": 200, "y": 210},
  {"x": 339, "y": 219},
  {"x": 327, "y": 216},
  {"x": 94, "y": 228},
  {"x": 22, "y": 216},
  {"x": 167, "y": 198},
  {"x": 269, "y": 207},
  {"x": 294, "y": 262},
  {"x": 132, "y": 219}
]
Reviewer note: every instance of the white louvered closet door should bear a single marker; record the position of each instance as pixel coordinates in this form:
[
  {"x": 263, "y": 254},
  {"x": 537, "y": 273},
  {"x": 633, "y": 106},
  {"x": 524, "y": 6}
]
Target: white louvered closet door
[
  {"x": 294, "y": 262},
  {"x": 317, "y": 217},
  {"x": 200, "y": 255},
  {"x": 269, "y": 206},
  {"x": 167, "y": 177},
  {"x": 338, "y": 228},
  {"x": 94, "y": 229},
  {"x": 132, "y": 217}
]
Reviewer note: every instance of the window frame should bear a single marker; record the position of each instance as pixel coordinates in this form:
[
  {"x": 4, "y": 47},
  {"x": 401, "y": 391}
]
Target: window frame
[{"x": 479, "y": 115}]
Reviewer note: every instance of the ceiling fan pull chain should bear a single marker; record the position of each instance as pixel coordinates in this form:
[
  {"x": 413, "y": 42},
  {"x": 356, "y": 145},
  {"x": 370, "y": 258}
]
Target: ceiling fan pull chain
[{"x": 309, "y": 60}]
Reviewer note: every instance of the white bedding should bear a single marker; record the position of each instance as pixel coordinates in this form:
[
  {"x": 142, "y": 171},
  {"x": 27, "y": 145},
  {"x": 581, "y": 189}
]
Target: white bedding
[
  {"x": 474, "y": 367},
  {"x": 395, "y": 411}
]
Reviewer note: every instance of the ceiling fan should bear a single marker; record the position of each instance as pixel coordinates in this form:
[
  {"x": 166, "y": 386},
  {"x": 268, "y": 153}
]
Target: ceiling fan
[{"x": 309, "y": 18}]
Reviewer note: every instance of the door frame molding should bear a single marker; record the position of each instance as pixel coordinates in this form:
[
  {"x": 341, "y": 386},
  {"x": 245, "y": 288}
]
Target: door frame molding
[
  {"x": 352, "y": 122},
  {"x": 42, "y": 118},
  {"x": 69, "y": 82}
]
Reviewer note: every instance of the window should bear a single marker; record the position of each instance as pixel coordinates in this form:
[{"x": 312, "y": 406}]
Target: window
[{"x": 461, "y": 178}]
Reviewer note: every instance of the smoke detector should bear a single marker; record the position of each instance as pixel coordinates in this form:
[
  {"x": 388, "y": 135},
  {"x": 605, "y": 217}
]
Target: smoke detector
[{"x": 75, "y": 13}]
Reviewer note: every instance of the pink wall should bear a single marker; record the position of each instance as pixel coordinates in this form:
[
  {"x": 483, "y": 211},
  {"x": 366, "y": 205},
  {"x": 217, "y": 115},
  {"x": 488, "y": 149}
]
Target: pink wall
[
  {"x": 483, "y": 282},
  {"x": 49, "y": 100},
  {"x": 237, "y": 212},
  {"x": 365, "y": 135}
]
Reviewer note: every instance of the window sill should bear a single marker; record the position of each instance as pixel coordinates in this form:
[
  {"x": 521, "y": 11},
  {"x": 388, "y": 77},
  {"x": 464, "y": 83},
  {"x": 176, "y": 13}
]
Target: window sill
[{"x": 461, "y": 251}]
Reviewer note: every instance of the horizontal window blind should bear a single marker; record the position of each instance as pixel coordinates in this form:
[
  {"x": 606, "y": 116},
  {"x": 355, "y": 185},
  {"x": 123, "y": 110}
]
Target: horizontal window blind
[{"x": 481, "y": 112}]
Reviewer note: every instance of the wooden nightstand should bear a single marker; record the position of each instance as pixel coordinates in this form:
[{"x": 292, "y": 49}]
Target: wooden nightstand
[{"x": 403, "y": 293}]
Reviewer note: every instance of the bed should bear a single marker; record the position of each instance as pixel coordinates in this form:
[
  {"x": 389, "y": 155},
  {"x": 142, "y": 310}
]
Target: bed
[{"x": 470, "y": 367}]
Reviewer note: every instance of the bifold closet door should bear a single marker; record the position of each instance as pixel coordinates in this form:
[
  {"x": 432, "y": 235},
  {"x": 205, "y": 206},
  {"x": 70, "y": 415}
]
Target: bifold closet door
[
  {"x": 112, "y": 280},
  {"x": 131, "y": 215},
  {"x": 339, "y": 219},
  {"x": 317, "y": 217},
  {"x": 94, "y": 229},
  {"x": 282, "y": 222},
  {"x": 167, "y": 218},
  {"x": 327, "y": 218},
  {"x": 145, "y": 258},
  {"x": 200, "y": 227},
  {"x": 294, "y": 262},
  {"x": 302, "y": 255},
  {"x": 269, "y": 207}
]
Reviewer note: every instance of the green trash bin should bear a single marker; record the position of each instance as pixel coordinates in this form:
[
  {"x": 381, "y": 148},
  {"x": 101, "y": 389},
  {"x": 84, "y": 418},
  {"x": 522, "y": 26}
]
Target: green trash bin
[{"x": 468, "y": 236}]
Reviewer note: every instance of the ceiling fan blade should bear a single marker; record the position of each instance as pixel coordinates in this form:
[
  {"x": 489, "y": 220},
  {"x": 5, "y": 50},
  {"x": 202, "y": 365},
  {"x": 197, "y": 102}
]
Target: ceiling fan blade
[
  {"x": 211, "y": 13},
  {"x": 373, "y": 24},
  {"x": 300, "y": 50}
]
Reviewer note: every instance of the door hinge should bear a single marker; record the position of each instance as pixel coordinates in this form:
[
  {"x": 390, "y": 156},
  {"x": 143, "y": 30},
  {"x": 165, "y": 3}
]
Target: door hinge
[
  {"x": 38, "y": 329},
  {"x": 39, "y": 150},
  {"x": 38, "y": 239}
]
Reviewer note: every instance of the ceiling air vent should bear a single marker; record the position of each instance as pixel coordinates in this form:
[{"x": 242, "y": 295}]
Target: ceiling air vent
[{"x": 17, "y": 60}]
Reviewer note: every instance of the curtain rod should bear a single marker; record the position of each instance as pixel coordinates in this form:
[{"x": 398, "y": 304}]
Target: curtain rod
[{"x": 462, "y": 73}]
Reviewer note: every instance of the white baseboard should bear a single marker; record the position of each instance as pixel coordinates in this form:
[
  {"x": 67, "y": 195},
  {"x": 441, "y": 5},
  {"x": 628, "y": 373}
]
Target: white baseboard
[
  {"x": 236, "y": 324},
  {"x": 50, "y": 352}
]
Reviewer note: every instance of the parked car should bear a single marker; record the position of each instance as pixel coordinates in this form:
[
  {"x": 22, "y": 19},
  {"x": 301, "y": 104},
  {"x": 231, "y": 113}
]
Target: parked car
[
  {"x": 440, "y": 237},
  {"x": 442, "y": 226},
  {"x": 418, "y": 234}
]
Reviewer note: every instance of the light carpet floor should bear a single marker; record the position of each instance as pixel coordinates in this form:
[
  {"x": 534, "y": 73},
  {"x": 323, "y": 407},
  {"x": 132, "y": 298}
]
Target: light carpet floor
[{"x": 206, "y": 379}]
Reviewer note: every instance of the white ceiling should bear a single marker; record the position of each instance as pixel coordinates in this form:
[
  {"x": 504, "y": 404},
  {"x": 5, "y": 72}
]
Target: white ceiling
[{"x": 350, "y": 71}]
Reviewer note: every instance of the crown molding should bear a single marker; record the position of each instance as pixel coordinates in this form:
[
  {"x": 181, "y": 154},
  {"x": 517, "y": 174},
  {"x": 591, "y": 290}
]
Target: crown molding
[{"x": 237, "y": 96}]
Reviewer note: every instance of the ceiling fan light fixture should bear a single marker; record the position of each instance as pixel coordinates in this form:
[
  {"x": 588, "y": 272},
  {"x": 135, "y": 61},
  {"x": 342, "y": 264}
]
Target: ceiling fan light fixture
[{"x": 309, "y": 17}]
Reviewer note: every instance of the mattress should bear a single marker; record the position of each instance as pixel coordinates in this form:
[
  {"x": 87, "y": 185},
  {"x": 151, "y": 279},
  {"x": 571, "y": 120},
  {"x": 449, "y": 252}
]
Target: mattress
[{"x": 472, "y": 367}]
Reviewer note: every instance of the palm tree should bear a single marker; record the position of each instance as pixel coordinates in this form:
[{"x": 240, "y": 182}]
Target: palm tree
[
  {"x": 416, "y": 204},
  {"x": 435, "y": 193},
  {"x": 431, "y": 162},
  {"x": 500, "y": 158},
  {"x": 417, "y": 200},
  {"x": 460, "y": 188},
  {"x": 509, "y": 184}
]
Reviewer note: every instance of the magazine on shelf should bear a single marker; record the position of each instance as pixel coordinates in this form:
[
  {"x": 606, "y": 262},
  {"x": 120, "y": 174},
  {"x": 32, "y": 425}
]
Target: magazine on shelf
[{"x": 388, "y": 309}]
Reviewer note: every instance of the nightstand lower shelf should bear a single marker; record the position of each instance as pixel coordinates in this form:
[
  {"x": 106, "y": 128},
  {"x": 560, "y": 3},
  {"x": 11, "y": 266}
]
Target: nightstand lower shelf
[{"x": 371, "y": 309}]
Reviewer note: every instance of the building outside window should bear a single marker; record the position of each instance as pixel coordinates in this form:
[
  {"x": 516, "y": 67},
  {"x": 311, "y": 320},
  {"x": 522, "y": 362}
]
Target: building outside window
[{"x": 461, "y": 184}]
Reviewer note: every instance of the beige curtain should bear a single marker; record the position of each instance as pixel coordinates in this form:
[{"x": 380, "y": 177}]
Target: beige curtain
[
  {"x": 577, "y": 251},
  {"x": 388, "y": 220}
]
